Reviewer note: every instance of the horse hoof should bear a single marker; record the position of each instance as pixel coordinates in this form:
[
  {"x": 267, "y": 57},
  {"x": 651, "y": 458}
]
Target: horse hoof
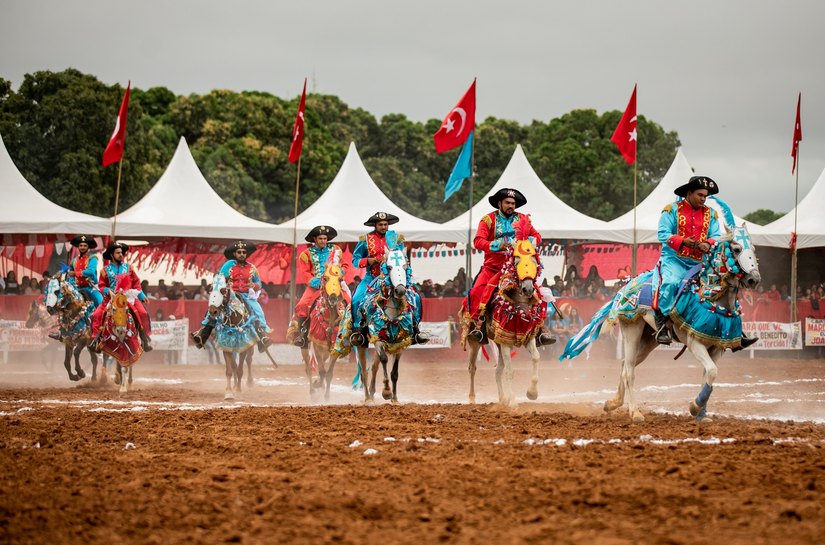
[
  {"x": 472, "y": 400},
  {"x": 532, "y": 395},
  {"x": 638, "y": 418},
  {"x": 386, "y": 395},
  {"x": 694, "y": 408},
  {"x": 228, "y": 396},
  {"x": 610, "y": 406},
  {"x": 74, "y": 378},
  {"x": 81, "y": 374}
]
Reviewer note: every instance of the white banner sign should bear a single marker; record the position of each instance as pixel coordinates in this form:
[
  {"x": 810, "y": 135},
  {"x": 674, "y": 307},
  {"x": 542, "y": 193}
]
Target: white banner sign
[
  {"x": 814, "y": 332},
  {"x": 774, "y": 335},
  {"x": 439, "y": 333},
  {"x": 14, "y": 336},
  {"x": 170, "y": 335}
]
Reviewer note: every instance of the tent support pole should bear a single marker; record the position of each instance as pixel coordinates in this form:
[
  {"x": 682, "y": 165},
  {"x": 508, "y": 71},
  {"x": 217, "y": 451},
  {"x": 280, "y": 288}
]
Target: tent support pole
[
  {"x": 117, "y": 198},
  {"x": 293, "y": 269}
]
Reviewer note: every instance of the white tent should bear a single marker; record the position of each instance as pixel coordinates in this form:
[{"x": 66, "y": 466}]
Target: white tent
[
  {"x": 550, "y": 215},
  {"x": 810, "y": 222},
  {"x": 352, "y": 198},
  {"x": 24, "y": 210},
  {"x": 649, "y": 210},
  {"x": 183, "y": 204}
]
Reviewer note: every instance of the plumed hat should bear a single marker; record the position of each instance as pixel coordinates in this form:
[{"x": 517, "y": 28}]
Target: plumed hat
[
  {"x": 107, "y": 253},
  {"x": 697, "y": 182},
  {"x": 381, "y": 216},
  {"x": 250, "y": 248},
  {"x": 88, "y": 239},
  {"x": 504, "y": 193},
  {"x": 330, "y": 232}
]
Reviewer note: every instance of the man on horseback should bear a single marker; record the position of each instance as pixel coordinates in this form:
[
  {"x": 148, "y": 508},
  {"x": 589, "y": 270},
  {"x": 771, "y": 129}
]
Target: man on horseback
[
  {"x": 312, "y": 263},
  {"x": 369, "y": 253},
  {"x": 687, "y": 230},
  {"x": 82, "y": 272},
  {"x": 108, "y": 281},
  {"x": 496, "y": 232},
  {"x": 244, "y": 280}
]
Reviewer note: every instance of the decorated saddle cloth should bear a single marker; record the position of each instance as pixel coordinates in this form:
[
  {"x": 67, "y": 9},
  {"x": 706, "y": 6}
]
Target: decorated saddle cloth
[{"x": 636, "y": 296}]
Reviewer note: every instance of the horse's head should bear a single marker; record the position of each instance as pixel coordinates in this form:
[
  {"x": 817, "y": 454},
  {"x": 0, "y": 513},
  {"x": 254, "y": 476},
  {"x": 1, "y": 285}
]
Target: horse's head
[
  {"x": 397, "y": 271},
  {"x": 53, "y": 294},
  {"x": 218, "y": 296},
  {"x": 332, "y": 283},
  {"x": 526, "y": 264},
  {"x": 120, "y": 315},
  {"x": 740, "y": 258}
]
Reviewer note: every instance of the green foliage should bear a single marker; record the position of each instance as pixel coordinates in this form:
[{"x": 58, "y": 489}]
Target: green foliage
[
  {"x": 56, "y": 126},
  {"x": 763, "y": 216}
]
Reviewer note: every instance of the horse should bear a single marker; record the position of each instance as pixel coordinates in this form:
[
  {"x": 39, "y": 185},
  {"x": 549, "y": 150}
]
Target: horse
[
  {"x": 391, "y": 309},
  {"x": 325, "y": 315},
  {"x": 119, "y": 336},
  {"x": 74, "y": 318},
  {"x": 706, "y": 316},
  {"x": 234, "y": 334},
  {"x": 515, "y": 317}
]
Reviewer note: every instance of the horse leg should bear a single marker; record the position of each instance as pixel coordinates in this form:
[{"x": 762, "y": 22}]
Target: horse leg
[
  {"x": 386, "y": 393},
  {"x": 94, "y": 364},
  {"x": 229, "y": 362},
  {"x": 248, "y": 357},
  {"x": 308, "y": 368},
  {"x": 533, "y": 390},
  {"x": 633, "y": 355},
  {"x": 374, "y": 369},
  {"x": 707, "y": 357},
  {"x": 67, "y": 363},
  {"x": 510, "y": 399},
  {"x": 394, "y": 376},
  {"x": 78, "y": 369},
  {"x": 474, "y": 349},
  {"x": 329, "y": 364},
  {"x": 237, "y": 368},
  {"x": 361, "y": 356},
  {"x": 125, "y": 379}
]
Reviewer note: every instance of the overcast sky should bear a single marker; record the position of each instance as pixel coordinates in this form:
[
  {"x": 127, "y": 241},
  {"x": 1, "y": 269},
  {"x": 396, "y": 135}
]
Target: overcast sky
[{"x": 724, "y": 74}]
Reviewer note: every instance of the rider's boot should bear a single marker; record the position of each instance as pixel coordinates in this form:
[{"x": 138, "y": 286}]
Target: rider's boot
[
  {"x": 56, "y": 336},
  {"x": 94, "y": 344},
  {"x": 662, "y": 331},
  {"x": 145, "y": 341},
  {"x": 479, "y": 333},
  {"x": 418, "y": 337},
  {"x": 301, "y": 335},
  {"x": 545, "y": 339},
  {"x": 746, "y": 342},
  {"x": 200, "y": 336},
  {"x": 264, "y": 342}
]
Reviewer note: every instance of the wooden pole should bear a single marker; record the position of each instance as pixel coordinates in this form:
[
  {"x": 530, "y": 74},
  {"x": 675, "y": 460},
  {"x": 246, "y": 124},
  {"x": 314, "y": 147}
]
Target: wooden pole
[
  {"x": 794, "y": 271},
  {"x": 635, "y": 245},
  {"x": 117, "y": 198},
  {"x": 293, "y": 267},
  {"x": 469, "y": 272}
]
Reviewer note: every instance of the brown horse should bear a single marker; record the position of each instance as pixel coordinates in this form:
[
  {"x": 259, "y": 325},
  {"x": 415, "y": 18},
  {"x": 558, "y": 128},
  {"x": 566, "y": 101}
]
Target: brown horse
[{"x": 74, "y": 318}]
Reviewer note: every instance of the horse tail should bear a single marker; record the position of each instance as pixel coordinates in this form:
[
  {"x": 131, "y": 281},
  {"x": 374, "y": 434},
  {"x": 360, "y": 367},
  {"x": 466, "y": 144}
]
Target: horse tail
[{"x": 588, "y": 334}]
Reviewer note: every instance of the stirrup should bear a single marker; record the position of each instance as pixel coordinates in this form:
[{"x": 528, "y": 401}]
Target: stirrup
[
  {"x": 745, "y": 343},
  {"x": 264, "y": 343},
  {"x": 545, "y": 339},
  {"x": 476, "y": 335},
  {"x": 357, "y": 339},
  {"x": 663, "y": 336},
  {"x": 56, "y": 336},
  {"x": 196, "y": 338}
]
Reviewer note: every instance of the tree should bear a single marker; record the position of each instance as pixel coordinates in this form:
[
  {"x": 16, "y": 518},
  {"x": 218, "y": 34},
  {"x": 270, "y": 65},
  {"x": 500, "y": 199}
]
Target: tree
[{"x": 763, "y": 216}]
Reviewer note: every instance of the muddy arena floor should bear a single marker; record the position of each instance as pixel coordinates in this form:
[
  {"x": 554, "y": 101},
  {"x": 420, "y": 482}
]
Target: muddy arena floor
[{"x": 172, "y": 462}]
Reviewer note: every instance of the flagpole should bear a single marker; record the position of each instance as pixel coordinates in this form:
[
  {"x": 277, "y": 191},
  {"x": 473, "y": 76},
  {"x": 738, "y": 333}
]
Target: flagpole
[
  {"x": 117, "y": 198},
  {"x": 635, "y": 246},
  {"x": 293, "y": 268},
  {"x": 793, "y": 236},
  {"x": 469, "y": 276}
]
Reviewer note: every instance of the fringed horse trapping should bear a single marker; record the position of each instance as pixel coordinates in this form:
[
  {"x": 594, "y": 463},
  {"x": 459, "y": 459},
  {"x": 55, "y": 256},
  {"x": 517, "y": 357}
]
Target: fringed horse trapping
[
  {"x": 391, "y": 308},
  {"x": 514, "y": 318},
  {"x": 74, "y": 318},
  {"x": 120, "y": 333},
  {"x": 706, "y": 316},
  {"x": 324, "y": 317}
]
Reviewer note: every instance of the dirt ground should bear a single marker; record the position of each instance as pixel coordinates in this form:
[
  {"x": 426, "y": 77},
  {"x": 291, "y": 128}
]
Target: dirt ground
[{"x": 172, "y": 462}]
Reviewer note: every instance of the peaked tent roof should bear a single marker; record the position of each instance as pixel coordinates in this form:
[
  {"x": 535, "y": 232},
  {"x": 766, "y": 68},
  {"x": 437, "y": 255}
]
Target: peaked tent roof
[
  {"x": 649, "y": 210},
  {"x": 352, "y": 198},
  {"x": 183, "y": 204},
  {"x": 550, "y": 215},
  {"x": 24, "y": 210},
  {"x": 810, "y": 222}
]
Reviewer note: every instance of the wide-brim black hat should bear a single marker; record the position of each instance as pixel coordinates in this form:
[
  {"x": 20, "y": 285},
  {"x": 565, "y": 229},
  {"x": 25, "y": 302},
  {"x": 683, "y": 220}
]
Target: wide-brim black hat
[
  {"x": 250, "y": 248},
  {"x": 697, "y": 182},
  {"x": 107, "y": 253},
  {"x": 330, "y": 232},
  {"x": 90, "y": 240},
  {"x": 381, "y": 216},
  {"x": 504, "y": 193}
]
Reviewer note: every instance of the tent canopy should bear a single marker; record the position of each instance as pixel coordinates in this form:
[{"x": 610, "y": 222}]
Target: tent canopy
[
  {"x": 183, "y": 204},
  {"x": 810, "y": 222},
  {"x": 352, "y": 198},
  {"x": 24, "y": 210}
]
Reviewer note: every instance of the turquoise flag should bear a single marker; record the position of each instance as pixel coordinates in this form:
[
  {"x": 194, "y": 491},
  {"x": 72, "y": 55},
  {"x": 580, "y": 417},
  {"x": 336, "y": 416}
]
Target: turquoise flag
[{"x": 463, "y": 168}]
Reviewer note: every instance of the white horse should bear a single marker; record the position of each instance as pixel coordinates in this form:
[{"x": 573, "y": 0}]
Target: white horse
[{"x": 730, "y": 266}]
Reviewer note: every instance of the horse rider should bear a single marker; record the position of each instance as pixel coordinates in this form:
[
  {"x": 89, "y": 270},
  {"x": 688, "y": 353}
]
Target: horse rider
[
  {"x": 312, "y": 264},
  {"x": 496, "y": 233},
  {"x": 242, "y": 276},
  {"x": 368, "y": 254},
  {"x": 82, "y": 272},
  {"x": 687, "y": 230},
  {"x": 115, "y": 267}
]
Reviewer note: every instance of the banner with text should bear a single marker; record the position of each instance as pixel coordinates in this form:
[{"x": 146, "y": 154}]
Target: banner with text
[
  {"x": 774, "y": 335},
  {"x": 814, "y": 332},
  {"x": 439, "y": 333},
  {"x": 14, "y": 336},
  {"x": 170, "y": 334}
]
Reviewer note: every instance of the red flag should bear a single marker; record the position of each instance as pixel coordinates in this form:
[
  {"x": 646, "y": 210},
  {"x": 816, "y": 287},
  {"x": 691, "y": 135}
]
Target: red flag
[
  {"x": 459, "y": 123},
  {"x": 298, "y": 130},
  {"x": 625, "y": 134},
  {"x": 797, "y": 134},
  {"x": 114, "y": 149}
]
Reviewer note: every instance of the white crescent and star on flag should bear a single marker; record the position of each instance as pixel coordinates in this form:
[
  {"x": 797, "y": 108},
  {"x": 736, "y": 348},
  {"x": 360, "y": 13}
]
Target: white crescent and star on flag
[
  {"x": 449, "y": 122},
  {"x": 632, "y": 133},
  {"x": 297, "y": 132}
]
